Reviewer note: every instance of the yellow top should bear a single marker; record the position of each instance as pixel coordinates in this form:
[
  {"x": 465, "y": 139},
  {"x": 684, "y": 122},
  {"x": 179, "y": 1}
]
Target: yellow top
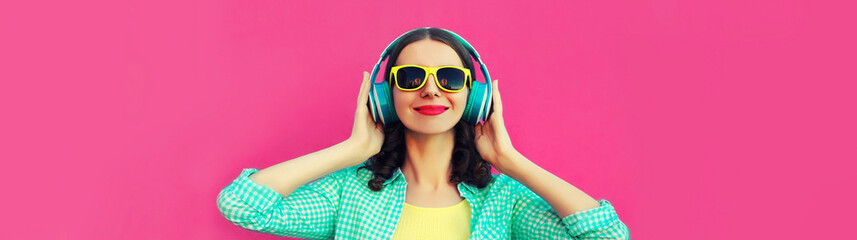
[{"x": 451, "y": 222}]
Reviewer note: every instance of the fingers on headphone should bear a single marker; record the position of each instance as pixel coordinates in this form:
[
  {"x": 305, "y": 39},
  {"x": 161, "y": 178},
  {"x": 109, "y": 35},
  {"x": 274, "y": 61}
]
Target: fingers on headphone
[
  {"x": 497, "y": 102},
  {"x": 364, "y": 89}
]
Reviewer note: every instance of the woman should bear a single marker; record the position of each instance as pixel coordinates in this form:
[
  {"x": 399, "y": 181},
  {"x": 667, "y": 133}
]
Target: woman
[{"x": 427, "y": 175}]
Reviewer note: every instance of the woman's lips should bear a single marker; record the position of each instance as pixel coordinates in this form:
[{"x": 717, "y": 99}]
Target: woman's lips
[{"x": 431, "y": 109}]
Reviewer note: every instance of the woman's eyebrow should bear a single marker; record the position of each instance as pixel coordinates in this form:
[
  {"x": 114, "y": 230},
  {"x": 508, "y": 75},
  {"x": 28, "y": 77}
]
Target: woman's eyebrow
[{"x": 449, "y": 65}]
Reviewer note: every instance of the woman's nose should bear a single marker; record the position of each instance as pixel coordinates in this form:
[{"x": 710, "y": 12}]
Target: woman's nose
[{"x": 431, "y": 87}]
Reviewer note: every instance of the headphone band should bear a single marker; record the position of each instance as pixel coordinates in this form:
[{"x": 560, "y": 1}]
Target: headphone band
[
  {"x": 381, "y": 106},
  {"x": 463, "y": 42}
]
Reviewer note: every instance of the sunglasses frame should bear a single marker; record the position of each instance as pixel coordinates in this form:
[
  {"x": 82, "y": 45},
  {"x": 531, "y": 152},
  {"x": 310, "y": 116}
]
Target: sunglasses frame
[{"x": 430, "y": 71}]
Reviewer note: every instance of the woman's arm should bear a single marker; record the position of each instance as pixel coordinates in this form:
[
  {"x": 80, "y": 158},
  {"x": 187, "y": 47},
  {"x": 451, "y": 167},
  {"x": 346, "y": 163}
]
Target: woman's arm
[
  {"x": 562, "y": 196},
  {"x": 287, "y": 176},
  {"x": 547, "y": 203}
]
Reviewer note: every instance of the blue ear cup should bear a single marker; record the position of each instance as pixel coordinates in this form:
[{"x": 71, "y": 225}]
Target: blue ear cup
[
  {"x": 478, "y": 102},
  {"x": 381, "y": 102}
]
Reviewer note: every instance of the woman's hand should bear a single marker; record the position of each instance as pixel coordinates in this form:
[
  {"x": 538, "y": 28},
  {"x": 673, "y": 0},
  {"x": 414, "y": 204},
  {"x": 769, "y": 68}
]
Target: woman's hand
[
  {"x": 492, "y": 139},
  {"x": 366, "y": 135}
]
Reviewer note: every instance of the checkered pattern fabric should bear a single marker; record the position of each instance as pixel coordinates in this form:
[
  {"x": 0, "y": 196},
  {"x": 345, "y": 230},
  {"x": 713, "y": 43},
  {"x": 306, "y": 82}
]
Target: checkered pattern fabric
[{"x": 341, "y": 206}]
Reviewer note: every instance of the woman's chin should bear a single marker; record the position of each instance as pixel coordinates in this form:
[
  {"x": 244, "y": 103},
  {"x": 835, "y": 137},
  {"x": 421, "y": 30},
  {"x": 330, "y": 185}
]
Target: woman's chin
[
  {"x": 430, "y": 129},
  {"x": 430, "y": 125}
]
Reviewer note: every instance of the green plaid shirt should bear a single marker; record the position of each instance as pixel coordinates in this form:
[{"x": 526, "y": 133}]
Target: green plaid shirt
[{"x": 341, "y": 206}]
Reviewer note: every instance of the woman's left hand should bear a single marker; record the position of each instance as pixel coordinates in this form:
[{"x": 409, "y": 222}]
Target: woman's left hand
[{"x": 492, "y": 139}]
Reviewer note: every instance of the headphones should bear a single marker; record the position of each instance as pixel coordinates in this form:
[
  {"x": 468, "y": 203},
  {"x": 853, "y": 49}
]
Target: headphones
[{"x": 478, "y": 102}]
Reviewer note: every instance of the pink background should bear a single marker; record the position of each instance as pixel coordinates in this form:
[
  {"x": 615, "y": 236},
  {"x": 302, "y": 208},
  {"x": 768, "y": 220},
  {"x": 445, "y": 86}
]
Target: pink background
[{"x": 697, "y": 119}]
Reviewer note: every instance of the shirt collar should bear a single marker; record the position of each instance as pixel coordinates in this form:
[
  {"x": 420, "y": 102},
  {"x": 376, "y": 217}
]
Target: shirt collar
[{"x": 399, "y": 175}]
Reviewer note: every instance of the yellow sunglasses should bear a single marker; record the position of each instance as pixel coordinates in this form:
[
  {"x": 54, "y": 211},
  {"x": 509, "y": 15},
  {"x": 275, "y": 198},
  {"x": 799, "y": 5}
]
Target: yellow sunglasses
[{"x": 448, "y": 78}]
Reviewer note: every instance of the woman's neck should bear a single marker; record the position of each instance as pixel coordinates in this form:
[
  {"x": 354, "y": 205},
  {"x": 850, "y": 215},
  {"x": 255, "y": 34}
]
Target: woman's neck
[{"x": 427, "y": 162}]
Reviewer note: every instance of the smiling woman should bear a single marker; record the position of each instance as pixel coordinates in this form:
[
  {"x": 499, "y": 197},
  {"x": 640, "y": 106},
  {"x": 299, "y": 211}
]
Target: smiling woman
[
  {"x": 412, "y": 106},
  {"x": 430, "y": 139}
]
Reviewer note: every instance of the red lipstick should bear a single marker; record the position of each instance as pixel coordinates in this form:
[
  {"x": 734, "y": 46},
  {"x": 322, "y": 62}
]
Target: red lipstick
[{"x": 431, "y": 109}]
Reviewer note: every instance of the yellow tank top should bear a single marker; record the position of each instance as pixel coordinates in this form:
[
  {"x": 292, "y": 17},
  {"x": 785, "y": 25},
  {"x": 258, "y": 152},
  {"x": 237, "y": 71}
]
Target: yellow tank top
[{"x": 451, "y": 222}]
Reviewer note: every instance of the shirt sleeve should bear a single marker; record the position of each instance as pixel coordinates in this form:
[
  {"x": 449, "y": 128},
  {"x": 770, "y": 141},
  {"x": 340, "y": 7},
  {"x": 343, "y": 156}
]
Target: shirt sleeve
[
  {"x": 308, "y": 212},
  {"x": 534, "y": 218}
]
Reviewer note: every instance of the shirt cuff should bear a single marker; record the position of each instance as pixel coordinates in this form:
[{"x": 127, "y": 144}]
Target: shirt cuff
[
  {"x": 594, "y": 219},
  {"x": 251, "y": 193}
]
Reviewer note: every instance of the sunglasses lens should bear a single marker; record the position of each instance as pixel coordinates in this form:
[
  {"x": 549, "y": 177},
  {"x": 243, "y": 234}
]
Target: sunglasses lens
[
  {"x": 451, "y": 78},
  {"x": 410, "y": 77}
]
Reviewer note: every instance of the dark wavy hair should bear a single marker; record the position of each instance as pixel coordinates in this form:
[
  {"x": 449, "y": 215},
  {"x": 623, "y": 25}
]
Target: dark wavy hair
[{"x": 467, "y": 164}]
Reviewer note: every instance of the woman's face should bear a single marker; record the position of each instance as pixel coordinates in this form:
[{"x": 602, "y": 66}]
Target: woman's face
[{"x": 429, "y": 53}]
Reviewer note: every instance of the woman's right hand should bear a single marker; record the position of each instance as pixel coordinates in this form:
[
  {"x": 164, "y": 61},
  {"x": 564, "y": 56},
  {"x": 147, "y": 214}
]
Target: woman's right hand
[{"x": 367, "y": 136}]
